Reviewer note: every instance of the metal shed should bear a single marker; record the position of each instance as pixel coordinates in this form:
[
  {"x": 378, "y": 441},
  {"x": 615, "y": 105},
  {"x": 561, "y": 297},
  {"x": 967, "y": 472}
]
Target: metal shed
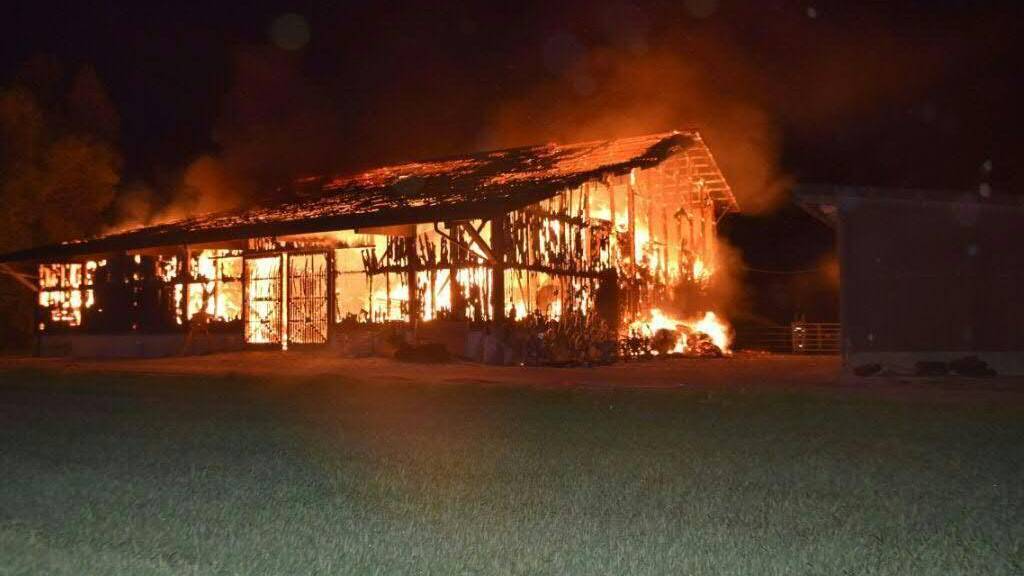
[{"x": 927, "y": 275}]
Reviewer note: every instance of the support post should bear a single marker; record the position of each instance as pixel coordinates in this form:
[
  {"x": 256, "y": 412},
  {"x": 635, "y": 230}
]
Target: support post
[
  {"x": 331, "y": 298},
  {"x": 634, "y": 294},
  {"x": 498, "y": 268},
  {"x": 285, "y": 279},
  {"x": 245, "y": 299},
  {"x": 611, "y": 203},
  {"x": 631, "y": 220},
  {"x": 585, "y": 193},
  {"x": 186, "y": 271},
  {"x": 37, "y": 318},
  {"x": 455, "y": 257},
  {"x": 846, "y": 348},
  {"x": 614, "y": 250},
  {"x": 414, "y": 293},
  {"x": 666, "y": 241}
]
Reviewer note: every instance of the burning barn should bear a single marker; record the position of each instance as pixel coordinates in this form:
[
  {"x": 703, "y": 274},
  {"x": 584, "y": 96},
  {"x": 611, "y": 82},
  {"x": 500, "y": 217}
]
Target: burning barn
[{"x": 600, "y": 238}]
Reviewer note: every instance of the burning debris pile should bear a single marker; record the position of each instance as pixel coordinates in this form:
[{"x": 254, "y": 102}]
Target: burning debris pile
[
  {"x": 575, "y": 339},
  {"x": 661, "y": 335},
  {"x": 588, "y": 340}
]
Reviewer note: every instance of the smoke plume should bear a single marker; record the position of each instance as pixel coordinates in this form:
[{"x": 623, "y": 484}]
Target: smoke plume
[
  {"x": 607, "y": 93},
  {"x": 742, "y": 76}
]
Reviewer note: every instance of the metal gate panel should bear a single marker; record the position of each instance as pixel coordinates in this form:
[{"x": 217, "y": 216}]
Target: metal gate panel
[
  {"x": 263, "y": 300},
  {"x": 307, "y": 298}
]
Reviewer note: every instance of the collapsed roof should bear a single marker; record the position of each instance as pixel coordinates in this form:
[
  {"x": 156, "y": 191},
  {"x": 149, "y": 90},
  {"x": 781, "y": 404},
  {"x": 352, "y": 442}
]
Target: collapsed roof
[{"x": 473, "y": 186}]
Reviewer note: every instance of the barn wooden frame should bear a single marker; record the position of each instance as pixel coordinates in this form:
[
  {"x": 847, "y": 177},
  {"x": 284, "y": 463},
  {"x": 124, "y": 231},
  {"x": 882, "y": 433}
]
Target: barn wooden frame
[{"x": 521, "y": 213}]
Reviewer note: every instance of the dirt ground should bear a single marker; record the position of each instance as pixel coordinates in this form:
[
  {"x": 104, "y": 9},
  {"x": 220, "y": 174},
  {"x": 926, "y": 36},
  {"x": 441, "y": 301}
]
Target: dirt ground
[{"x": 742, "y": 371}]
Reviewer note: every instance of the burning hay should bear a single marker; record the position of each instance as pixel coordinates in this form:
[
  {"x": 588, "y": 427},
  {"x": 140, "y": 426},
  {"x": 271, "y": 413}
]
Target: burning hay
[{"x": 661, "y": 335}]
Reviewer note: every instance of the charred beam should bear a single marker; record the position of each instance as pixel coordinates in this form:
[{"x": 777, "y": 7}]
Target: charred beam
[
  {"x": 458, "y": 307},
  {"x": 552, "y": 270},
  {"x": 455, "y": 238},
  {"x": 22, "y": 279},
  {"x": 561, "y": 217},
  {"x": 480, "y": 243},
  {"x": 413, "y": 268}
]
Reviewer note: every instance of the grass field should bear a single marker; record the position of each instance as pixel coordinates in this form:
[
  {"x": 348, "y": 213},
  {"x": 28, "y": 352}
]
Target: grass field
[{"x": 161, "y": 474}]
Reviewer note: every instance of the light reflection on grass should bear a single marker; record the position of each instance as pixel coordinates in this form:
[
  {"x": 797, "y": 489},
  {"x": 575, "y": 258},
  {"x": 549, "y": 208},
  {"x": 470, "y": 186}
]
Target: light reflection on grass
[{"x": 150, "y": 475}]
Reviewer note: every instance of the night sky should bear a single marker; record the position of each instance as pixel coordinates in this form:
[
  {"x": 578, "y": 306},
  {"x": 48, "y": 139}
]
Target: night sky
[{"x": 920, "y": 94}]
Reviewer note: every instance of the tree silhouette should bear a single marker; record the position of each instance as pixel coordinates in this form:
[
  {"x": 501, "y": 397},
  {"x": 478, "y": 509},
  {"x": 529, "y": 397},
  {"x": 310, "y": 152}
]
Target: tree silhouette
[{"x": 59, "y": 170}]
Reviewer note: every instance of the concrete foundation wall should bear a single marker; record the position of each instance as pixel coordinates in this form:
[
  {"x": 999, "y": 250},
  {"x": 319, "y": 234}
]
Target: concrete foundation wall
[
  {"x": 134, "y": 345},
  {"x": 364, "y": 341},
  {"x": 1004, "y": 363},
  {"x": 355, "y": 342}
]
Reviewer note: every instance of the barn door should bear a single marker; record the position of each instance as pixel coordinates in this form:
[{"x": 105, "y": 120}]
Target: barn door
[
  {"x": 307, "y": 298},
  {"x": 263, "y": 300}
]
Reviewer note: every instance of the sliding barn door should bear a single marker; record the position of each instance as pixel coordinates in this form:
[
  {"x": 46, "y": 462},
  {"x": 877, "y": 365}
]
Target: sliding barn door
[
  {"x": 307, "y": 298},
  {"x": 263, "y": 300}
]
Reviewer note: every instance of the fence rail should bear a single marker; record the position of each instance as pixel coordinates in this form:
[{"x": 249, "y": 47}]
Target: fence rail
[
  {"x": 815, "y": 337},
  {"x": 797, "y": 338}
]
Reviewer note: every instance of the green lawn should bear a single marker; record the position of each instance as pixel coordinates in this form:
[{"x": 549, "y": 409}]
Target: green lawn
[{"x": 164, "y": 475}]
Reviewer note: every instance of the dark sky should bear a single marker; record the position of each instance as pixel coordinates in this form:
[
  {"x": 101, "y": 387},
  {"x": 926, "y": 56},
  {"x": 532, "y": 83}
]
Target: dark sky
[
  {"x": 913, "y": 94},
  {"x": 892, "y": 93}
]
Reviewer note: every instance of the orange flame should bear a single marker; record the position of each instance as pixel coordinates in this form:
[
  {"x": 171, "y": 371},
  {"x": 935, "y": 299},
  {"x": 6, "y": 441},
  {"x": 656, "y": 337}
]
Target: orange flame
[{"x": 710, "y": 324}]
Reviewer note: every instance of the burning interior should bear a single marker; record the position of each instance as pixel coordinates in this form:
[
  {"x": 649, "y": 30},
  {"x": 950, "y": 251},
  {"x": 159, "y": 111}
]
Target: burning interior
[{"x": 588, "y": 251}]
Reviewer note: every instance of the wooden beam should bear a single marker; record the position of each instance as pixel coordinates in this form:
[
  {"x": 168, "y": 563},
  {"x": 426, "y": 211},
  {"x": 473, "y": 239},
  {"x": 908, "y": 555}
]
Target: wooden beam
[
  {"x": 455, "y": 239},
  {"x": 561, "y": 217},
  {"x": 397, "y": 230},
  {"x": 181, "y": 234},
  {"x": 479, "y": 240},
  {"x": 21, "y": 278},
  {"x": 550, "y": 270}
]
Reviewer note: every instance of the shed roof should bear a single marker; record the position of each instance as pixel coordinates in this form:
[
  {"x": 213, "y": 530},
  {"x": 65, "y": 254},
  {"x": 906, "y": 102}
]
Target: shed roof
[
  {"x": 471, "y": 186},
  {"x": 823, "y": 201}
]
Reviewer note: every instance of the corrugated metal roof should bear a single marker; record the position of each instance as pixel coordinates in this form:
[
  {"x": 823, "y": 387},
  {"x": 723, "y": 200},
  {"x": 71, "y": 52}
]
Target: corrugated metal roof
[{"x": 472, "y": 186}]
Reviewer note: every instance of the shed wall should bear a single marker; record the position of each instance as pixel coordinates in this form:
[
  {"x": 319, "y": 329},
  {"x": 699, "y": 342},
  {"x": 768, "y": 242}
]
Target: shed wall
[{"x": 931, "y": 277}]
